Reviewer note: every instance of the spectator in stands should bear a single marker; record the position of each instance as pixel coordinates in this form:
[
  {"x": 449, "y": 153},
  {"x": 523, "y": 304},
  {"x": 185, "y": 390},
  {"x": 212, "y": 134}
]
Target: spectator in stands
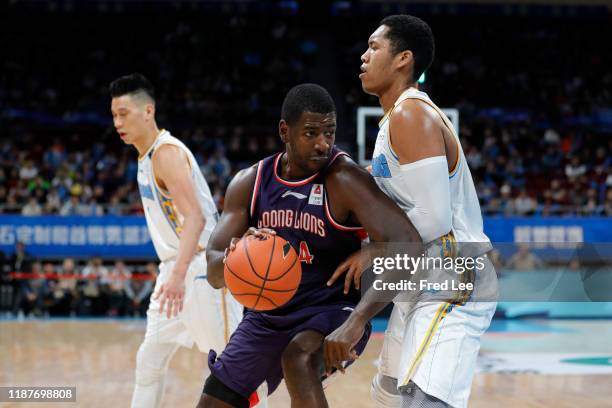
[
  {"x": 524, "y": 204},
  {"x": 31, "y": 294},
  {"x": 92, "y": 289},
  {"x": 64, "y": 294},
  {"x": 524, "y": 260},
  {"x": 495, "y": 206},
  {"x": 49, "y": 272},
  {"x": 551, "y": 136},
  {"x": 3, "y": 198},
  {"x": 71, "y": 207},
  {"x": 32, "y": 208},
  {"x": 574, "y": 169},
  {"x": 40, "y": 287},
  {"x": 218, "y": 167},
  {"x": 6, "y": 286},
  {"x": 116, "y": 284},
  {"x": 114, "y": 207},
  {"x": 55, "y": 155},
  {"x": 607, "y": 207},
  {"x": 496, "y": 259},
  {"x": 474, "y": 158},
  {"x": 62, "y": 180},
  {"x": 53, "y": 202},
  {"x": 589, "y": 206},
  {"x": 20, "y": 260},
  {"x": 138, "y": 291},
  {"x": 90, "y": 208},
  {"x": 11, "y": 206},
  {"x": 28, "y": 171},
  {"x": 506, "y": 201}
]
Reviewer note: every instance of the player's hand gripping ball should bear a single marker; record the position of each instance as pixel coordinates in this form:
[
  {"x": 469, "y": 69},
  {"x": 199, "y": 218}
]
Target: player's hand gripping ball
[{"x": 263, "y": 272}]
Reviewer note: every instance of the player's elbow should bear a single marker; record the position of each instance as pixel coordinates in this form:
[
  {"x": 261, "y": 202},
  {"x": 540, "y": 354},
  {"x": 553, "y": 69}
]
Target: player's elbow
[
  {"x": 215, "y": 277},
  {"x": 216, "y": 281},
  {"x": 214, "y": 269}
]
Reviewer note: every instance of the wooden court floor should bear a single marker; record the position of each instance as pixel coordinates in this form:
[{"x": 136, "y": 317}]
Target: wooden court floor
[{"x": 98, "y": 358}]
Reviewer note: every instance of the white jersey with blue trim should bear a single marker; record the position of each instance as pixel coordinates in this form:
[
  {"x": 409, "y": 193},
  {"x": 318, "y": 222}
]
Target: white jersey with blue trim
[
  {"x": 467, "y": 223},
  {"x": 163, "y": 219}
]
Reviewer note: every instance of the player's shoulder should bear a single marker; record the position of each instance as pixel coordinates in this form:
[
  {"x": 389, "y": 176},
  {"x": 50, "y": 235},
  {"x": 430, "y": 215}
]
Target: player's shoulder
[
  {"x": 240, "y": 190},
  {"x": 415, "y": 112},
  {"x": 244, "y": 179},
  {"x": 344, "y": 170},
  {"x": 167, "y": 155},
  {"x": 167, "y": 144}
]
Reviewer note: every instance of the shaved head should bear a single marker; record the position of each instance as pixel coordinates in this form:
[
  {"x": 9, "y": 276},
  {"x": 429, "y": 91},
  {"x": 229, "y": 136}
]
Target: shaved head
[
  {"x": 137, "y": 86},
  {"x": 141, "y": 98}
]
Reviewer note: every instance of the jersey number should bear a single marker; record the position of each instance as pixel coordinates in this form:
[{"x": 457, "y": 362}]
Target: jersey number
[{"x": 305, "y": 255}]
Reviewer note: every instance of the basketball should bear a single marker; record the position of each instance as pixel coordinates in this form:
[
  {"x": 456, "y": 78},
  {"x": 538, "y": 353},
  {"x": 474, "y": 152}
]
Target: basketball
[{"x": 263, "y": 273}]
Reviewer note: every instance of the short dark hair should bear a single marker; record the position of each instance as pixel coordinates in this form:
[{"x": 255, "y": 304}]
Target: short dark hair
[
  {"x": 411, "y": 33},
  {"x": 306, "y": 98},
  {"x": 131, "y": 84}
]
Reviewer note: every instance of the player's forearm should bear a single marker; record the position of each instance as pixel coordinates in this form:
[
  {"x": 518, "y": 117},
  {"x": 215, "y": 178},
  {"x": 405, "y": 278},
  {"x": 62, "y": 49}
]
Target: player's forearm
[
  {"x": 214, "y": 261},
  {"x": 373, "y": 301},
  {"x": 193, "y": 225}
]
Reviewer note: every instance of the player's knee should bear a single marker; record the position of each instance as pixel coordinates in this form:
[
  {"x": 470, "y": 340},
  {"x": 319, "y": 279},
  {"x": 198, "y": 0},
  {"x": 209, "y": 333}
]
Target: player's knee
[
  {"x": 206, "y": 401},
  {"x": 297, "y": 359},
  {"x": 148, "y": 369},
  {"x": 384, "y": 391},
  {"x": 203, "y": 402}
]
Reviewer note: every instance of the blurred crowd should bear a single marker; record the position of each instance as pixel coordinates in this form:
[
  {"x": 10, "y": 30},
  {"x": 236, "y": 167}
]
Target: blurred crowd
[
  {"x": 96, "y": 288},
  {"x": 535, "y": 129},
  {"x": 29, "y": 287}
]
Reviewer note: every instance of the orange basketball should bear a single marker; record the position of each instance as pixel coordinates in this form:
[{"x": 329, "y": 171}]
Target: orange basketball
[{"x": 263, "y": 273}]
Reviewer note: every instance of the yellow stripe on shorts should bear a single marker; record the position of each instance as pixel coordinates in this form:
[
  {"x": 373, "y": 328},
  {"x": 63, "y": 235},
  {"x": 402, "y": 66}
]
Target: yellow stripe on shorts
[
  {"x": 225, "y": 322},
  {"x": 440, "y": 314}
]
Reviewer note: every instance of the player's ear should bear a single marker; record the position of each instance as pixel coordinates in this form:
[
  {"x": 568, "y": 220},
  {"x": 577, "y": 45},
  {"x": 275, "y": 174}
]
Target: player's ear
[
  {"x": 150, "y": 111},
  {"x": 404, "y": 58},
  {"x": 283, "y": 131}
]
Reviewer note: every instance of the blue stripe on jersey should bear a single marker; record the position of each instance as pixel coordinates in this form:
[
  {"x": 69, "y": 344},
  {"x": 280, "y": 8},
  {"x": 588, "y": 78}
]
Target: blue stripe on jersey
[
  {"x": 146, "y": 191},
  {"x": 380, "y": 167}
]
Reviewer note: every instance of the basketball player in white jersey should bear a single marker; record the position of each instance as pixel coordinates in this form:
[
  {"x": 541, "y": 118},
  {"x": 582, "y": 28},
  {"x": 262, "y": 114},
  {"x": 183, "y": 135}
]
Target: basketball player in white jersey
[
  {"x": 181, "y": 215},
  {"x": 430, "y": 347}
]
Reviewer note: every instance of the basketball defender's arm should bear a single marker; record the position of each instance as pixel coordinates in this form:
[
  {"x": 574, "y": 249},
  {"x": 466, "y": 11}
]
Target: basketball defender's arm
[
  {"x": 234, "y": 222},
  {"x": 173, "y": 173},
  {"x": 354, "y": 196},
  {"x": 425, "y": 147},
  {"x": 417, "y": 137}
]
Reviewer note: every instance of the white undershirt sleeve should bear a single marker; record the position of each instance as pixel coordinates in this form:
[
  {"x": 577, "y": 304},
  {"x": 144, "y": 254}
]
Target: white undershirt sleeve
[{"x": 426, "y": 185}]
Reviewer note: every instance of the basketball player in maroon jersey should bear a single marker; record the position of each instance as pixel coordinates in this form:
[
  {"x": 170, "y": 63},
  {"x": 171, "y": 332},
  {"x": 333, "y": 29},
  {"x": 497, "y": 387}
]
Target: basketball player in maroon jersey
[{"x": 339, "y": 197}]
